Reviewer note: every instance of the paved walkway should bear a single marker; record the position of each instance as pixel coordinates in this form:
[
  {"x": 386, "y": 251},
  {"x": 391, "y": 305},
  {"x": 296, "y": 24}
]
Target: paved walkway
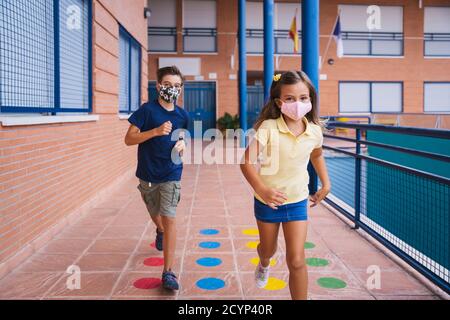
[{"x": 113, "y": 246}]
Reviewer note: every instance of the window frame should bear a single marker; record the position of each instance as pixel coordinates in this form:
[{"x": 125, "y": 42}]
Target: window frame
[
  {"x": 429, "y": 37},
  {"x": 434, "y": 112},
  {"x": 57, "y": 69},
  {"x": 130, "y": 41},
  {"x": 371, "y": 97},
  {"x": 202, "y": 32},
  {"x": 375, "y": 36}
]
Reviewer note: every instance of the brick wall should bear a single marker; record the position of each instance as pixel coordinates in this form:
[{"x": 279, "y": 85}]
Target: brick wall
[{"x": 48, "y": 171}]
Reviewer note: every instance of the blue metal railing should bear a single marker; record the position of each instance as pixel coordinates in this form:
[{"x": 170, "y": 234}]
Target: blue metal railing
[
  {"x": 279, "y": 35},
  {"x": 431, "y": 42},
  {"x": 372, "y": 38},
  {"x": 395, "y": 185},
  {"x": 208, "y": 36},
  {"x": 162, "y": 39}
]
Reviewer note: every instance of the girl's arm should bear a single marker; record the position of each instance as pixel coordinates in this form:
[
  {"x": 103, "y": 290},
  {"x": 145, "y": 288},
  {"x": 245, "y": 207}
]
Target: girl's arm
[
  {"x": 272, "y": 197},
  {"x": 318, "y": 162}
]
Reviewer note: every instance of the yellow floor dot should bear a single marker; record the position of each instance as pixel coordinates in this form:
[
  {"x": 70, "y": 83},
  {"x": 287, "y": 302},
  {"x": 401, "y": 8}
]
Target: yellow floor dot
[
  {"x": 252, "y": 244},
  {"x": 250, "y": 232},
  {"x": 255, "y": 261},
  {"x": 275, "y": 284}
]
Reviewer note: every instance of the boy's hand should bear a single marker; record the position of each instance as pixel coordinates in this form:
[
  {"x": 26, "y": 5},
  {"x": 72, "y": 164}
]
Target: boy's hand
[
  {"x": 319, "y": 196},
  {"x": 165, "y": 129},
  {"x": 180, "y": 146},
  {"x": 272, "y": 197}
]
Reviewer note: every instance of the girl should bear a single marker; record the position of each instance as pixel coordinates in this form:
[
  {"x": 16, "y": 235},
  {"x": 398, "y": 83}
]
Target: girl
[{"x": 289, "y": 133}]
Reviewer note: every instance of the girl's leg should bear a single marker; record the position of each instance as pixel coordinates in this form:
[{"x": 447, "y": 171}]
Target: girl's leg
[
  {"x": 268, "y": 236},
  {"x": 295, "y": 237},
  {"x": 169, "y": 240}
]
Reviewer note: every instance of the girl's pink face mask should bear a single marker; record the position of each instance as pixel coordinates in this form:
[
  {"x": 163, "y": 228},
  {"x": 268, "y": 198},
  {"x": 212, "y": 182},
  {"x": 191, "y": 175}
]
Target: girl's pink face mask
[{"x": 296, "y": 110}]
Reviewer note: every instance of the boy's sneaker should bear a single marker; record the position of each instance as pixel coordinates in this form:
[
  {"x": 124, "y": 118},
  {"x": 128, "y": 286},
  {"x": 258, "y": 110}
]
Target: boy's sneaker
[
  {"x": 261, "y": 275},
  {"x": 169, "y": 280},
  {"x": 159, "y": 240}
]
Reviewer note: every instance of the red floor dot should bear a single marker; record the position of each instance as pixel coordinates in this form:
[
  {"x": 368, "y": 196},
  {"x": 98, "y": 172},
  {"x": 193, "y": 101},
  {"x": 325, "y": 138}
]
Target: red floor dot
[
  {"x": 153, "y": 245},
  {"x": 154, "y": 261},
  {"x": 147, "y": 283}
]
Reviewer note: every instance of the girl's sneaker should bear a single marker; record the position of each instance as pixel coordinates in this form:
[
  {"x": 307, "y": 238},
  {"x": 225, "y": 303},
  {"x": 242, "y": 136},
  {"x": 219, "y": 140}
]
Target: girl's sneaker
[{"x": 261, "y": 275}]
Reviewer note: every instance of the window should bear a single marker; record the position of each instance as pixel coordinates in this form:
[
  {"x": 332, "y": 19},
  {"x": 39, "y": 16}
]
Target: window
[
  {"x": 283, "y": 16},
  {"x": 129, "y": 73},
  {"x": 359, "y": 40},
  {"x": 437, "y": 96},
  {"x": 365, "y": 97},
  {"x": 162, "y": 26},
  {"x": 45, "y": 56},
  {"x": 199, "y": 26},
  {"x": 437, "y": 31}
]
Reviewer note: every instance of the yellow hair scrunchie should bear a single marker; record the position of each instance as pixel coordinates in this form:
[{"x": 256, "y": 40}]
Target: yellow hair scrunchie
[{"x": 277, "y": 77}]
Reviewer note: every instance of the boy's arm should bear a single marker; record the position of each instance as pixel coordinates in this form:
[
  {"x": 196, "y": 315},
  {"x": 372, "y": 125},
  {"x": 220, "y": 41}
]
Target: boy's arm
[{"x": 135, "y": 136}]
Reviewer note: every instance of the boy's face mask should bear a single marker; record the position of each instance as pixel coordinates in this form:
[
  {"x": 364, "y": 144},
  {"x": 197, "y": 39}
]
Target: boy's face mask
[{"x": 169, "y": 93}]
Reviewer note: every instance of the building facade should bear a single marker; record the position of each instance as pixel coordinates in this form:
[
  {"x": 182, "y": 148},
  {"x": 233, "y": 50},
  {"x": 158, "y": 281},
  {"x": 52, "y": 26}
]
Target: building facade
[{"x": 399, "y": 65}]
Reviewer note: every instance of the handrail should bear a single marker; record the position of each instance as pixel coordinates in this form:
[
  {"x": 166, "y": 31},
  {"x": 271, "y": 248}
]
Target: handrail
[
  {"x": 392, "y": 165},
  {"x": 362, "y": 35},
  {"x": 435, "y": 133},
  {"x": 278, "y": 33},
  {"x": 162, "y": 31},
  {"x": 436, "y": 36},
  {"x": 199, "y": 32},
  {"x": 363, "y": 212},
  {"x": 431, "y": 155}
]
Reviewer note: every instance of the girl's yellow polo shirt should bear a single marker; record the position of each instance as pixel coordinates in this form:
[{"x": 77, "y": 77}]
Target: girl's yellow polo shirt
[{"x": 285, "y": 157}]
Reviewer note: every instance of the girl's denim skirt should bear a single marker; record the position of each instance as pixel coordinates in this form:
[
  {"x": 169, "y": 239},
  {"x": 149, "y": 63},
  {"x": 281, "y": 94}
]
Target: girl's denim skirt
[{"x": 297, "y": 211}]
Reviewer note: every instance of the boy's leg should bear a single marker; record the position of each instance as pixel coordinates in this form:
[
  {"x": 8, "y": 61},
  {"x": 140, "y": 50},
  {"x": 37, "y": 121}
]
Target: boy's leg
[
  {"x": 295, "y": 237},
  {"x": 156, "y": 218},
  {"x": 151, "y": 196},
  {"x": 169, "y": 198},
  {"x": 169, "y": 240}
]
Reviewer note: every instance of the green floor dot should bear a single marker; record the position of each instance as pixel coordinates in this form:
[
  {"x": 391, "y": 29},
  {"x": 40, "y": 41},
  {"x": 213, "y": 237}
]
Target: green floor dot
[
  {"x": 309, "y": 245},
  {"x": 331, "y": 283},
  {"x": 317, "y": 262}
]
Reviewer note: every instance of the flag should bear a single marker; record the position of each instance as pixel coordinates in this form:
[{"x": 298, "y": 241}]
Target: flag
[
  {"x": 293, "y": 33},
  {"x": 338, "y": 37}
]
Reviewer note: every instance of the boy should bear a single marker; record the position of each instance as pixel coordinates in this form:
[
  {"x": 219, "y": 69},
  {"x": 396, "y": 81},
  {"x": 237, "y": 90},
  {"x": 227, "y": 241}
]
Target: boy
[{"x": 159, "y": 176}]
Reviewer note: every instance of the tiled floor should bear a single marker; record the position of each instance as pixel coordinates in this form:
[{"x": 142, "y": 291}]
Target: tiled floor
[{"x": 112, "y": 246}]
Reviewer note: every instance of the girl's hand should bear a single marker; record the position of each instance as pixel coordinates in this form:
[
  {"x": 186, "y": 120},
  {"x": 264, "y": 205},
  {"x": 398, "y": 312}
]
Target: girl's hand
[
  {"x": 272, "y": 197},
  {"x": 319, "y": 196}
]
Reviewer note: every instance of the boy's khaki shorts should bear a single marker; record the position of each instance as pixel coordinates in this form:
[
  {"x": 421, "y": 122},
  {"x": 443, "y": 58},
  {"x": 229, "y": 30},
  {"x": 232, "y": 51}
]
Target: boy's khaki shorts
[{"x": 160, "y": 198}]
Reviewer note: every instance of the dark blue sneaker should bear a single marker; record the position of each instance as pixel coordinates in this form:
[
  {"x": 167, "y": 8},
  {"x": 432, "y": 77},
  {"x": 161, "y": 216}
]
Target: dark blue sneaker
[
  {"x": 169, "y": 280},
  {"x": 159, "y": 240}
]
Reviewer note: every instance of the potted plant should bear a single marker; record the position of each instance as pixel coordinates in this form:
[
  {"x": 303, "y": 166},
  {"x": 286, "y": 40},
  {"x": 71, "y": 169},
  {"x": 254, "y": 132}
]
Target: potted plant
[{"x": 227, "y": 121}]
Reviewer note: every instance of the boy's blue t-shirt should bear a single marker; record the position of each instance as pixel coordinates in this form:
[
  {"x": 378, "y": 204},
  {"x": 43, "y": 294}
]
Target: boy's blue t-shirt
[{"x": 154, "y": 155}]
